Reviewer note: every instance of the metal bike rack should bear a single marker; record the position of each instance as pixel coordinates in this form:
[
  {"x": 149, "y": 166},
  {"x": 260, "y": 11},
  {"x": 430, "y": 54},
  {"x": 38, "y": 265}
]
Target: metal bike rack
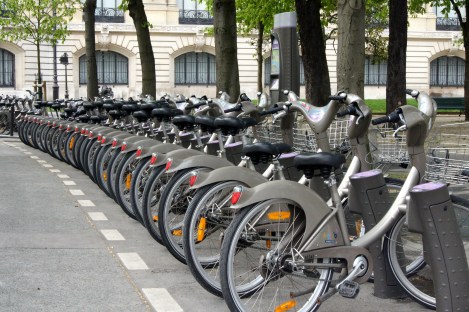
[
  {"x": 370, "y": 188},
  {"x": 430, "y": 213}
]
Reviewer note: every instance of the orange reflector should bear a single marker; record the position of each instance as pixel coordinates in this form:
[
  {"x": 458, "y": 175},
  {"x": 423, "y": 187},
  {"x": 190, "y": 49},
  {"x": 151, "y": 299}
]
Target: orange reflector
[
  {"x": 278, "y": 215},
  {"x": 104, "y": 176},
  {"x": 128, "y": 180},
  {"x": 155, "y": 218},
  {"x": 114, "y": 143},
  {"x": 287, "y": 305},
  {"x": 168, "y": 164},
  {"x": 153, "y": 159},
  {"x": 236, "y": 195},
  {"x": 72, "y": 142},
  {"x": 193, "y": 179},
  {"x": 139, "y": 151},
  {"x": 177, "y": 232},
  {"x": 268, "y": 244},
  {"x": 201, "y": 229},
  {"x": 123, "y": 147}
]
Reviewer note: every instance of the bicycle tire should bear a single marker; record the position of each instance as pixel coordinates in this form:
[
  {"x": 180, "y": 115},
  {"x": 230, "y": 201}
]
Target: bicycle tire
[
  {"x": 419, "y": 286},
  {"x": 172, "y": 207},
  {"x": 122, "y": 183},
  {"x": 151, "y": 197},
  {"x": 102, "y": 163},
  {"x": 201, "y": 240},
  {"x": 250, "y": 280},
  {"x": 139, "y": 179}
]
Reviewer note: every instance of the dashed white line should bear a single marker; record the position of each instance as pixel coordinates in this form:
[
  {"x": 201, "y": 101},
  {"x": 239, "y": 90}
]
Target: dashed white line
[
  {"x": 47, "y": 166},
  {"x": 161, "y": 300},
  {"x": 69, "y": 182},
  {"x": 97, "y": 216},
  {"x": 112, "y": 235},
  {"x": 86, "y": 203},
  {"x": 63, "y": 176},
  {"x": 27, "y": 153},
  {"x": 34, "y": 157},
  {"x": 41, "y": 161},
  {"x": 132, "y": 261},
  {"x": 77, "y": 192},
  {"x": 54, "y": 170}
]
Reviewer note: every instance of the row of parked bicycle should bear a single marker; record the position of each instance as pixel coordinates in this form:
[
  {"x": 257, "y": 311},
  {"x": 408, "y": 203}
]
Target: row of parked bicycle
[{"x": 228, "y": 189}]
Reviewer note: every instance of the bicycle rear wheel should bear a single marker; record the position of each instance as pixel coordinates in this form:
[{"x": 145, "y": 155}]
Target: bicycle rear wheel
[
  {"x": 257, "y": 259},
  {"x": 403, "y": 247}
]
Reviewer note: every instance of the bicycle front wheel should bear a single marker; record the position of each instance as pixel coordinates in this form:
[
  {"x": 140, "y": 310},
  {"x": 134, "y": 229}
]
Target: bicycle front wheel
[
  {"x": 258, "y": 271},
  {"x": 403, "y": 248}
]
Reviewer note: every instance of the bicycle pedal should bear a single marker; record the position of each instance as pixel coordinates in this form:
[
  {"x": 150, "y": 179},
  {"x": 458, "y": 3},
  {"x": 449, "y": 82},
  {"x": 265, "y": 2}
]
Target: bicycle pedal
[{"x": 349, "y": 289}]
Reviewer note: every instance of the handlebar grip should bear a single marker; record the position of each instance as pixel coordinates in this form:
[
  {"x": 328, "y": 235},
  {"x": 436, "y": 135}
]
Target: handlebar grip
[
  {"x": 272, "y": 111},
  {"x": 380, "y": 120},
  {"x": 412, "y": 93},
  {"x": 350, "y": 110},
  {"x": 339, "y": 97},
  {"x": 237, "y": 108}
]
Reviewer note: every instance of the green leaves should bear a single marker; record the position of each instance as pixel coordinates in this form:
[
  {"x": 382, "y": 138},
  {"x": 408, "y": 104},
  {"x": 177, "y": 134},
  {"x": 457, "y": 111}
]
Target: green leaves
[{"x": 37, "y": 21}]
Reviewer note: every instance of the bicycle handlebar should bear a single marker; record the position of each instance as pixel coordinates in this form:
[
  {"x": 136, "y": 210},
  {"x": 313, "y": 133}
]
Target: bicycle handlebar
[
  {"x": 237, "y": 108},
  {"x": 272, "y": 111},
  {"x": 392, "y": 117}
]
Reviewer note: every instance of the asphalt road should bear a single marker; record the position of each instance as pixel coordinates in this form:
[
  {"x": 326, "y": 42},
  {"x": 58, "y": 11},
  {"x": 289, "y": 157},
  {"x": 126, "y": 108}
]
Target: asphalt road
[{"x": 66, "y": 252}]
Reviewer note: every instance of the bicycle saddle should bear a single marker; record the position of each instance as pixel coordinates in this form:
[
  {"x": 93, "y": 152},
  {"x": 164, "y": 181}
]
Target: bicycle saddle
[
  {"x": 206, "y": 123},
  {"x": 84, "y": 118},
  {"x": 88, "y": 105},
  {"x": 323, "y": 161},
  {"x": 150, "y": 105},
  {"x": 130, "y": 107},
  {"x": 264, "y": 151},
  {"x": 141, "y": 115},
  {"x": 109, "y": 106},
  {"x": 231, "y": 125},
  {"x": 184, "y": 122}
]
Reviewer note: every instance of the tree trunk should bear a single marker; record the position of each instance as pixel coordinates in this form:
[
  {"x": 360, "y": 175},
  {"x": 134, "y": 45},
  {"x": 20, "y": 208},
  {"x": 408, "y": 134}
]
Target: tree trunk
[
  {"x": 351, "y": 46},
  {"x": 396, "y": 79},
  {"x": 465, "y": 32},
  {"x": 91, "y": 69},
  {"x": 313, "y": 50},
  {"x": 39, "y": 78},
  {"x": 260, "y": 59},
  {"x": 147, "y": 58},
  {"x": 226, "y": 47}
]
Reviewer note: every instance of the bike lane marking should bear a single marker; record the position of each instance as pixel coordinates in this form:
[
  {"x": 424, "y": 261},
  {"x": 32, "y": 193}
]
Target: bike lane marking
[
  {"x": 161, "y": 300},
  {"x": 77, "y": 192},
  {"x": 97, "y": 216},
  {"x": 86, "y": 203},
  {"x": 132, "y": 261},
  {"x": 112, "y": 235}
]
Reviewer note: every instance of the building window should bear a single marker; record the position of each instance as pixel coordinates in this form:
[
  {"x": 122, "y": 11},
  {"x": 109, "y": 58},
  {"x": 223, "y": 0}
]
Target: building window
[
  {"x": 195, "y": 68},
  {"x": 7, "y": 68},
  {"x": 376, "y": 73},
  {"x": 267, "y": 72},
  {"x": 113, "y": 68},
  {"x": 107, "y": 11},
  {"x": 448, "y": 21},
  {"x": 194, "y": 12},
  {"x": 447, "y": 71}
]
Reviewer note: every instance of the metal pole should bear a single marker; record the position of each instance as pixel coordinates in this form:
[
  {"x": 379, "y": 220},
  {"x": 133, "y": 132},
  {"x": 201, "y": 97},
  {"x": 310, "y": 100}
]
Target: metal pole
[
  {"x": 66, "y": 82},
  {"x": 12, "y": 119}
]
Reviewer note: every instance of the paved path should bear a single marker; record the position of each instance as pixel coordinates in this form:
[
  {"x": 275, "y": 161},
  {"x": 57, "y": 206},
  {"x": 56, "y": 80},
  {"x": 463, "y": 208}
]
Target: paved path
[{"x": 65, "y": 252}]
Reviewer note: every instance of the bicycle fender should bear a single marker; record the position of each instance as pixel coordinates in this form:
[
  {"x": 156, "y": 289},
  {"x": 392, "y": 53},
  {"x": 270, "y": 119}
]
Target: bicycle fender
[
  {"x": 243, "y": 175},
  {"x": 162, "y": 148},
  {"x": 207, "y": 161},
  {"x": 314, "y": 207},
  {"x": 119, "y": 136},
  {"x": 131, "y": 139},
  {"x": 161, "y": 159},
  {"x": 94, "y": 134},
  {"x": 144, "y": 144}
]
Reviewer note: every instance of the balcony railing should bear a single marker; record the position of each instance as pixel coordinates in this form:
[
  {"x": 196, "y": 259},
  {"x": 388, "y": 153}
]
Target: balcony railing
[
  {"x": 447, "y": 23},
  {"x": 197, "y": 17},
  {"x": 109, "y": 15}
]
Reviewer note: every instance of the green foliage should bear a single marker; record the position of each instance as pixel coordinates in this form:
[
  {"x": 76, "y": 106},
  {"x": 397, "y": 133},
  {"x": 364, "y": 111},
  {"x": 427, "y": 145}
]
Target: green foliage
[{"x": 34, "y": 20}]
